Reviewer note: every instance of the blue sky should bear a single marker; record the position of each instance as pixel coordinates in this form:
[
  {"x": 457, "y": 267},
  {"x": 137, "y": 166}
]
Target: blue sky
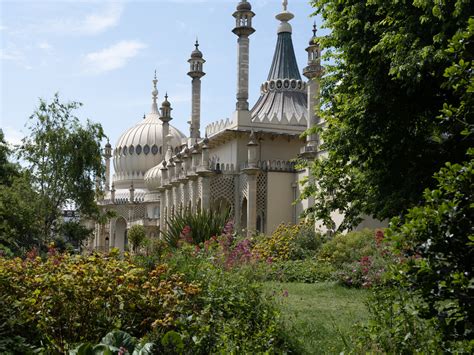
[{"x": 103, "y": 54}]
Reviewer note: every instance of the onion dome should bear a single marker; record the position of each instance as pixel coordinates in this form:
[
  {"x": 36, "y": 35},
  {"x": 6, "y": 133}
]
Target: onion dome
[
  {"x": 196, "y": 53},
  {"x": 140, "y": 148},
  {"x": 153, "y": 178},
  {"x": 244, "y": 6}
]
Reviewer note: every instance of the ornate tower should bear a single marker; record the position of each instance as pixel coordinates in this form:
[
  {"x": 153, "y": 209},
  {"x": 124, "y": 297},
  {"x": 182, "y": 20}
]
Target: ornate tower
[
  {"x": 165, "y": 117},
  {"x": 243, "y": 29},
  {"x": 107, "y": 156},
  {"x": 313, "y": 72},
  {"x": 196, "y": 73}
]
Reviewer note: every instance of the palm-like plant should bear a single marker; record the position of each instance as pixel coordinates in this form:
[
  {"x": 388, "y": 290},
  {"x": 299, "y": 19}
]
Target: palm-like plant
[{"x": 198, "y": 227}]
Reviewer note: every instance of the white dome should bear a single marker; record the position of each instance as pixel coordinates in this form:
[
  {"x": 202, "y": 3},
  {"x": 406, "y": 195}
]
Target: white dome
[
  {"x": 140, "y": 149},
  {"x": 153, "y": 178}
]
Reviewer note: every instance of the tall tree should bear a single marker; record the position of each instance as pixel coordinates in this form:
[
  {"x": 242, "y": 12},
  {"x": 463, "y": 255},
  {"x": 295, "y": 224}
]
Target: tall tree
[
  {"x": 397, "y": 101},
  {"x": 18, "y": 220},
  {"x": 64, "y": 158}
]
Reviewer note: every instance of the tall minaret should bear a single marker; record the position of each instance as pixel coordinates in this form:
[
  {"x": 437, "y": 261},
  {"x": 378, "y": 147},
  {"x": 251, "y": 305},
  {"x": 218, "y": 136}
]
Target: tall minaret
[
  {"x": 243, "y": 29},
  {"x": 196, "y": 73},
  {"x": 165, "y": 117},
  {"x": 107, "y": 156},
  {"x": 313, "y": 72}
]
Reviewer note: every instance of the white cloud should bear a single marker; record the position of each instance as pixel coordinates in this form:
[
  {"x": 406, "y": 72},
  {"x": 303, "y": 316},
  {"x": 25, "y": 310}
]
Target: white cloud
[
  {"x": 90, "y": 24},
  {"x": 111, "y": 58},
  {"x": 44, "y": 45}
]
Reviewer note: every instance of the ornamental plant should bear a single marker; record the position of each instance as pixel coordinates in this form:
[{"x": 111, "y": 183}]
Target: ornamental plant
[
  {"x": 288, "y": 242},
  {"x": 55, "y": 302}
]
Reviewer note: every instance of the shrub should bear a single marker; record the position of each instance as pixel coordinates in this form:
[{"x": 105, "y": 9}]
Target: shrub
[
  {"x": 348, "y": 248},
  {"x": 438, "y": 240},
  {"x": 288, "y": 242},
  {"x": 195, "y": 227},
  {"x": 234, "y": 316},
  {"x": 69, "y": 299}
]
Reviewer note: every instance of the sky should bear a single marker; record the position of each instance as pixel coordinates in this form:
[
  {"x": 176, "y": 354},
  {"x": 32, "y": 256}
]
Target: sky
[{"x": 104, "y": 53}]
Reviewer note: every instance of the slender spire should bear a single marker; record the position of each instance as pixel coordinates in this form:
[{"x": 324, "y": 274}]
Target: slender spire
[
  {"x": 284, "y": 17},
  {"x": 314, "y": 29},
  {"x": 154, "y": 95}
]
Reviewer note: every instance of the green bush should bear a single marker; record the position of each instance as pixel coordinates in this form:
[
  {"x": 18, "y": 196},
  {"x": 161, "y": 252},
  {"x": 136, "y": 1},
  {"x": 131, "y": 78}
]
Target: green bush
[
  {"x": 64, "y": 299},
  {"x": 234, "y": 316},
  {"x": 347, "y": 248},
  {"x": 427, "y": 304},
  {"x": 437, "y": 239},
  {"x": 288, "y": 242}
]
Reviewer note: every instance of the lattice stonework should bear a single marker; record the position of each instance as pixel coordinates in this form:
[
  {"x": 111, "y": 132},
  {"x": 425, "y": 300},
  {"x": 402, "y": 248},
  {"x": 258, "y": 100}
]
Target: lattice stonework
[
  {"x": 199, "y": 189},
  {"x": 222, "y": 187},
  {"x": 261, "y": 193},
  {"x": 243, "y": 187},
  {"x": 122, "y": 210}
]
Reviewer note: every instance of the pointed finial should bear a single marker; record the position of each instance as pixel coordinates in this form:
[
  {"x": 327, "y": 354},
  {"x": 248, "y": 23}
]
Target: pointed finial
[
  {"x": 314, "y": 29},
  {"x": 166, "y": 96},
  {"x": 154, "y": 95},
  {"x": 144, "y": 116},
  {"x": 285, "y": 5},
  {"x": 197, "y": 43}
]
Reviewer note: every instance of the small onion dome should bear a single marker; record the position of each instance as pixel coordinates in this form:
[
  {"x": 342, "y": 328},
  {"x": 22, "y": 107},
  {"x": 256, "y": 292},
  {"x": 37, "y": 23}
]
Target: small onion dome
[
  {"x": 244, "y": 6},
  {"x": 108, "y": 145},
  {"x": 153, "y": 178},
  {"x": 166, "y": 103},
  {"x": 196, "y": 53}
]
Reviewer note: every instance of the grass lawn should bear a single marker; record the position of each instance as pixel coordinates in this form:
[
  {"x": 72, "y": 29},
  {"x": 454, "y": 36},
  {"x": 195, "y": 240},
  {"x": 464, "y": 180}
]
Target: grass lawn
[{"x": 319, "y": 317}]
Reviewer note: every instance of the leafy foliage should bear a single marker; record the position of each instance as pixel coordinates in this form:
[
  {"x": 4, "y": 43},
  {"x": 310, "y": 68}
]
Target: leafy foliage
[
  {"x": 288, "y": 242},
  {"x": 136, "y": 236},
  {"x": 64, "y": 158},
  {"x": 438, "y": 239},
  {"x": 397, "y": 102},
  {"x": 19, "y": 228},
  {"x": 196, "y": 227},
  {"x": 69, "y": 299},
  {"x": 115, "y": 342}
]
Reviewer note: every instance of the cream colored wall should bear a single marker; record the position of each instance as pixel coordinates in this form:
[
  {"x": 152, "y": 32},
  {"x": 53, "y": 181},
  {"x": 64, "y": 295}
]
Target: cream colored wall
[
  {"x": 279, "y": 200},
  {"x": 227, "y": 153},
  {"x": 279, "y": 148}
]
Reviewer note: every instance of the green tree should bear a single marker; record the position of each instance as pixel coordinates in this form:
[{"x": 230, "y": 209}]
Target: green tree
[
  {"x": 64, "y": 158},
  {"x": 397, "y": 102},
  {"x": 18, "y": 223},
  {"x": 136, "y": 236}
]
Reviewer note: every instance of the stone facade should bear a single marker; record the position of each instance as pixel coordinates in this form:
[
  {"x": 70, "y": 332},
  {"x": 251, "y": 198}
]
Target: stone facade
[{"x": 245, "y": 163}]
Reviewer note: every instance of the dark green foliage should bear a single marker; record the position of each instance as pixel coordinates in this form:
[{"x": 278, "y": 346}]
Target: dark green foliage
[
  {"x": 74, "y": 233},
  {"x": 136, "y": 236},
  {"x": 397, "y": 101},
  {"x": 64, "y": 158},
  {"x": 19, "y": 228},
  {"x": 395, "y": 327},
  {"x": 115, "y": 342},
  {"x": 438, "y": 240},
  {"x": 195, "y": 227}
]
